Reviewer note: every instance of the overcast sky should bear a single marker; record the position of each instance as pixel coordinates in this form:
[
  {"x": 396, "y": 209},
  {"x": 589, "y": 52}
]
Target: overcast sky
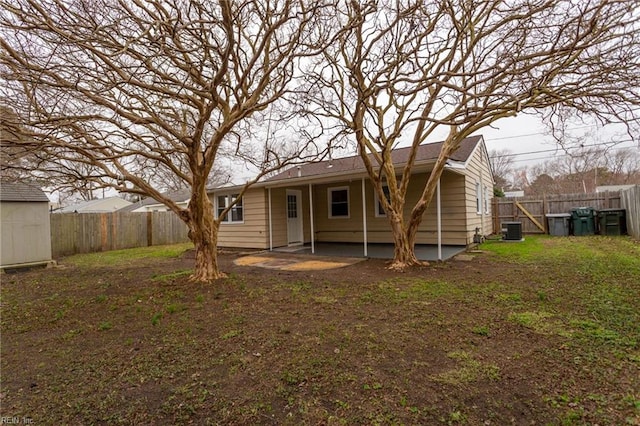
[{"x": 526, "y": 136}]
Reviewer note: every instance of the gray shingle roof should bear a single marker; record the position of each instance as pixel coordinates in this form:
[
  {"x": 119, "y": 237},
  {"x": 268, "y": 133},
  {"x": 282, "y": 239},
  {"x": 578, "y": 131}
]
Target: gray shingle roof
[
  {"x": 178, "y": 196},
  {"x": 426, "y": 152},
  {"x": 19, "y": 191}
]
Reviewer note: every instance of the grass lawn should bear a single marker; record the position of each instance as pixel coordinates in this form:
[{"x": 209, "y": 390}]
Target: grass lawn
[{"x": 546, "y": 331}]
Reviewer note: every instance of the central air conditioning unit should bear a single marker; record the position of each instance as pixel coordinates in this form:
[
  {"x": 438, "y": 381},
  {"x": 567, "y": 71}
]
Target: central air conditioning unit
[{"x": 512, "y": 231}]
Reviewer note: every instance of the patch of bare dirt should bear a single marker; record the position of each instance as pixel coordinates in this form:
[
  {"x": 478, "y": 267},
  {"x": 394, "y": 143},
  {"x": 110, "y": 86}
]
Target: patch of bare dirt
[{"x": 353, "y": 345}]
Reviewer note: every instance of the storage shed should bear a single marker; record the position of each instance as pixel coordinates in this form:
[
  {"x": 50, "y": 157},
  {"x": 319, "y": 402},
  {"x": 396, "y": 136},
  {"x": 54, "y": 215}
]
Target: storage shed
[{"x": 24, "y": 226}]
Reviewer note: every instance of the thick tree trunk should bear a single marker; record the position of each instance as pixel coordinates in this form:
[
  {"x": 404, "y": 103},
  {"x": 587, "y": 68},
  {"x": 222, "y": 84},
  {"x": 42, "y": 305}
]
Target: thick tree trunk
[
  {"x": 203, "y": 232},
  {"x": 404, "y": 254},
  {"x": 205, "y": 242}
]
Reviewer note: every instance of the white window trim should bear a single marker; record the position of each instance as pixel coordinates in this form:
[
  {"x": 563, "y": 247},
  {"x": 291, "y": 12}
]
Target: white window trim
[
  {"x": 479, "y": 197},
  {"x": 487, "y": 199},
  {"x": 376, "y": 202},
  {"x": 228, "y": 221},
  {"x": 329, "y": 203}
]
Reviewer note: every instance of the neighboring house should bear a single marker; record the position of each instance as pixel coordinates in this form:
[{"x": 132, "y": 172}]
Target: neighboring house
[
  {"x": 513, "y": 194},
  {"x": 613, "y": 188},
  {"x": 24, "y": 226},
  {"x": 101, "y": 205},
  {"x": 334, "y": 201},
  {"x": 181, "y": 198}
]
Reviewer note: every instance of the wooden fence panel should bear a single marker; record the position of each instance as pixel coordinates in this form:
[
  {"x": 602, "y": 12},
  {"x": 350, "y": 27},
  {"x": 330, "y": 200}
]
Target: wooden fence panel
[
  {"x": 631, "y": 203},
  {"x": 128, "y": 230},
  {"x": 507, "y": 210},
  {"x": 599, "y": 201},
  {"x": 73, "y": 233},
  {"x": 167, "y": 229}
]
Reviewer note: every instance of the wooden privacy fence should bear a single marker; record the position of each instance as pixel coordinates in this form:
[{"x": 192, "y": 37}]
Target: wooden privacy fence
[
  {"x": 532, "y": 211},
  {"x": 73, "y": 233},
  {"x": 630, "y": 200}
]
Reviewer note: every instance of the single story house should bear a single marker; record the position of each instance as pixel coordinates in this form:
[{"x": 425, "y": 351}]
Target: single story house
[
  {"x": 25, "y": 231},
  {"x": 334, "y": 202},
  {"x": 99, "y": 205},
  {"x": 148, "y": 204}
]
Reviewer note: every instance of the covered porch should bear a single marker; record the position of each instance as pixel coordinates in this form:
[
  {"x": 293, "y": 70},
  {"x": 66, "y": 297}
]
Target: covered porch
[
  {"x": 426, "y": 252},
  {"x": 301, "y": 217}
]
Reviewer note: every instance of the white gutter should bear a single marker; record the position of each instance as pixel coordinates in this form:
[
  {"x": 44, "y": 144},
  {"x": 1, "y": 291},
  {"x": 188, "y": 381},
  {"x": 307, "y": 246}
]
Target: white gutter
[{"x": 364, "y": 218}]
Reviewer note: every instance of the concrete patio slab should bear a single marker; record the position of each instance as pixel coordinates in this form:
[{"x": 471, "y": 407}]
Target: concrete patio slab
[
  {"x": 425, "y": 252},
  {"x": 295, "y": 262}
]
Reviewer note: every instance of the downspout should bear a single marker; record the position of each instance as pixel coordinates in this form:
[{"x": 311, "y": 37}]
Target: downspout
[
  {"x": 439, "y": 219},
  {"x": 313, "y": 246},
  {"x": 364, "y": 219},
  {"x": 270, "y": 223}
]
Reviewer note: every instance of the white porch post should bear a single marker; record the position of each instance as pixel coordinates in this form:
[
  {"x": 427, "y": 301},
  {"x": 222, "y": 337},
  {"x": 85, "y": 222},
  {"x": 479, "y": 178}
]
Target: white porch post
[
  {"x": 313, "y": 244},
  {"x": 439, "y": 219},
  {"x": 364, "y": 219},
  {"x": 270, "y": 223}
]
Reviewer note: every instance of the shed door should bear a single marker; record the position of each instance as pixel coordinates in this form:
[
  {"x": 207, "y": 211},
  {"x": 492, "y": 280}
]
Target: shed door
[{"x": 294, "y": 217}]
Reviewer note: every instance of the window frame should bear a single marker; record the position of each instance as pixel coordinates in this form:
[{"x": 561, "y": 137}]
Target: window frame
[
  {"x": 479, "y": 197},
  {"x": 330, "y": 202},
  {"x": 377, "y": 206},
  {"x": 228, "y": 199}
]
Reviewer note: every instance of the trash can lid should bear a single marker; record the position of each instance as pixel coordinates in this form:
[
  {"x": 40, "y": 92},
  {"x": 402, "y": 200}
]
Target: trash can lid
[
  {"x": 583, "y": 211},
  {"x": 613, "y": 210}
]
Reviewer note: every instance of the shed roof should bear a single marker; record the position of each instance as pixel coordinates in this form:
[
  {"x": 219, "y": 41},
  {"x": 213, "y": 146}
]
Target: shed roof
[
  {"x": 20, "y": 191},
  {"x": 426, "y": 152}
]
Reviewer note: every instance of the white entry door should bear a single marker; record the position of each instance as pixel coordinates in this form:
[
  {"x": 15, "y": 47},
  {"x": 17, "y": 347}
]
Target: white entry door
[{"x": 294, "y": 217}]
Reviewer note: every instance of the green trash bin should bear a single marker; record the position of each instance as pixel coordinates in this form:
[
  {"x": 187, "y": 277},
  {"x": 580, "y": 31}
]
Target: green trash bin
[
  {"x": 612, "y": 221},
  {"x": 583, "y": 221}
]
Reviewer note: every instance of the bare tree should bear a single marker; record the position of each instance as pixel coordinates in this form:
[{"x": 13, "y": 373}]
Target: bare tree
[
  {"x": 405, "y": 70},
  {"x": 583, "y": 169},
  {"x": 502, "y": 166},
  {"x": 126, "y": 86},
  {"x": 624, "y": 165}
]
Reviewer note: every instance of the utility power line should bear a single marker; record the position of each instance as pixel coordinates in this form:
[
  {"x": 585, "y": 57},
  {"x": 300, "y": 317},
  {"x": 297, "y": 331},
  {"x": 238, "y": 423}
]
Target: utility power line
[
  {"x": 535, "y": 134},
  {"x": 547, "y": 157},
  {"x": 564, "y": 149}
]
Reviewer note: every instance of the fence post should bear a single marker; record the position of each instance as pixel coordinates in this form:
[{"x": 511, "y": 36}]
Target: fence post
[
  {"x": 104, "y": 233},
  {"x": 149, "y": 229},
  {"x": 545, "y": 223},
  {"x": 496, "y": 215}
]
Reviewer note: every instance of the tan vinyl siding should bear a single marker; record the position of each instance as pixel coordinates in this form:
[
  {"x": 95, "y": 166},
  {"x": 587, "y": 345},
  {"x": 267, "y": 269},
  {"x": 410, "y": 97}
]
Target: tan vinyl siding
[
  {"x": 478, "y": 171},
  {"x": 253, "y": 231},
  {"x": 279, "y": 212}
]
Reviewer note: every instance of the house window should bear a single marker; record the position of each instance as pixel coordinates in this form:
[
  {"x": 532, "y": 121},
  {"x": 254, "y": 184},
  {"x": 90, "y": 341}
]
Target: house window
[
  {"x": 236, "y": 214},
  {"x": 478, "y": 198},
  {"x": 378, "y": 205},
  {"x": 292, "y": 206},
  {"x": 339, "y": 202}
]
